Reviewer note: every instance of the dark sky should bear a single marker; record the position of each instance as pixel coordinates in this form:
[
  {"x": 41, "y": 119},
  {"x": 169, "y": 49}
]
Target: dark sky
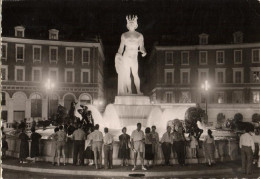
[{"x": 183, "y": 20}]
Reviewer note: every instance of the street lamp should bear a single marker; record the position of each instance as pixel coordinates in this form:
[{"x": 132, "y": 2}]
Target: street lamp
[
  {"x": 206, "y": 87},
  {"x": 49, "y": 87}
]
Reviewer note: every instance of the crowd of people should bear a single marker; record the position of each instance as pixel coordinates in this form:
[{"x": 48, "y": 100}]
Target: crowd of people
[
  {"x": 89, "y": 141},
  {"x": 89, "y": 146}
]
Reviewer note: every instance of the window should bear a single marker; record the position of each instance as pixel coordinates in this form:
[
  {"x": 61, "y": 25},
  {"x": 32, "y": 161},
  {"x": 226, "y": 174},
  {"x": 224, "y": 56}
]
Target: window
[
  {"x": 168, "y": 97},
  {"x": 256, "y": 96},
  {"x": 69, "y": 55},
  {"x": 53, "y": 34},
  {"x": 85, "y": 99},
  {"x": 220, "y": 96},
  {"x": 37, "y": 53},
  {"x": 220, "y": 57},
  {"x": 203, "y": 56},
  {"x": 203, "y": 39},
  {"x": 4, "y": 51},
  {"x": 53, "y": 54},
  {"x": 168, "y": 58},
  {"x": 237, "y": 97},
  {"x": 85, "y": 55},
  {"x": 4, "y": 72},
  {"x": 256, "y": 56},
  {"x": 237, "y": 56},
  {"x": 169, "y": 76},
  {"x": 69, "y": 75},
  {"x": 185, "y": 97},
  {"x": 238, "y": 75},
  {"x": 85, "y": 76},
  {"x": 19, "y": 73},
  {"x": 3, "y": 101},
  {"x": 255, "y": 75},
  {"x": 185, "y": 76},
  {"x": 220, "y": 75},
  {"x": 19, "y": 52},
  {"x": 203, "y": 75},
  {"x": 185, "y": 58},
  {"x": 53, "y": 74},
  {"x": 36, "y": 74},
  {"x": 19, "y": 31},
  {"x": 36, "y": 105}
]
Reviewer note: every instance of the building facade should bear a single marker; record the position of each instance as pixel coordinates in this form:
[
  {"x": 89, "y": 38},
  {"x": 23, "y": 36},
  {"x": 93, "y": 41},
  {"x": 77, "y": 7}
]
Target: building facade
[
  {"x": 37, "y": 75},
  {"x": 226, "y": 75}
]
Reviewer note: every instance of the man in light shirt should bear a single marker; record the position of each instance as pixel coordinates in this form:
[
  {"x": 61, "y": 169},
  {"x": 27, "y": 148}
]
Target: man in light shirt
[
  {"x": 79, "y": 137},
  {"x": 137, "y": 145},
  {"x": 166, "y": 142},
  {"x": 97, "y": 140},
  {"x": 247, "y": 147},
  {"x": 108, "y": 149}
]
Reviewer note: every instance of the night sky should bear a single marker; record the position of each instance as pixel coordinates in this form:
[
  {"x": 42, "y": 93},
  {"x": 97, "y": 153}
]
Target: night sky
[{"x": 182, "y": 20}]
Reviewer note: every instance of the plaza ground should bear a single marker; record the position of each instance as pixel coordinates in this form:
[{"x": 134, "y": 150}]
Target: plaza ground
[{"x": 44, "y": 170}]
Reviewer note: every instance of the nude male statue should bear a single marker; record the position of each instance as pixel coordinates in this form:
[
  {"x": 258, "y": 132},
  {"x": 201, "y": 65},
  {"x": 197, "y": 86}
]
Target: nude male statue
[{"x": 126, "y": 60}]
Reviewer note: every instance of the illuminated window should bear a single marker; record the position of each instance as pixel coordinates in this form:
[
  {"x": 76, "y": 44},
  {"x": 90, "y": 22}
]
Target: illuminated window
[
  {"x": 185, "y": 97},
  {"x": 4, "y": 72},
  {"x": 256, "y": 96},
  {"x": 220, "y": 97},
  {"x": 85, "y": 99}
]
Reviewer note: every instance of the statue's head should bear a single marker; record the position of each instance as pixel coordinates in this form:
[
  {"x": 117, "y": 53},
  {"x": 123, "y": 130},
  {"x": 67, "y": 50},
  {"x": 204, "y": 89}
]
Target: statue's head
[{"x": 131, "y": 22}]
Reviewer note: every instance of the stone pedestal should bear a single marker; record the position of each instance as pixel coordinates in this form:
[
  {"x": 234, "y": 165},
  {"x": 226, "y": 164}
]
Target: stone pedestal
[{"x": 132, "y": 100}]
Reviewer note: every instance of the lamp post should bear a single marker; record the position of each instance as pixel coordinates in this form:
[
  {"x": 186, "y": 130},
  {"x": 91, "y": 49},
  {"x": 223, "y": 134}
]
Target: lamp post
[
  {"x": 49, "y": 87},
  {"x": 205, "y": 86}
]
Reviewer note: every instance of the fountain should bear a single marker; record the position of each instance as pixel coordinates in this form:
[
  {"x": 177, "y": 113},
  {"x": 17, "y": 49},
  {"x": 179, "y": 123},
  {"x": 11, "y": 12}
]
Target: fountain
[{"x": 130, "y": 109}]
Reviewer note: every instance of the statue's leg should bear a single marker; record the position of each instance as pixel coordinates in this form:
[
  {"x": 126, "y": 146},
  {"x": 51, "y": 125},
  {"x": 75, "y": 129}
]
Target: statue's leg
[
  {"x": 128, "y": 81},
  {"x": 134, "y": 68}
]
